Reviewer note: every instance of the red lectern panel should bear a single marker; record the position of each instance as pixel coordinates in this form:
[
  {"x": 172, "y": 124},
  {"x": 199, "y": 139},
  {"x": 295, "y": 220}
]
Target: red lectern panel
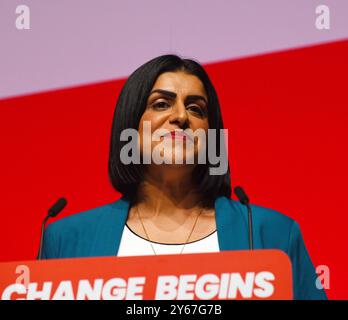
[{"x": 258, "y": 274}]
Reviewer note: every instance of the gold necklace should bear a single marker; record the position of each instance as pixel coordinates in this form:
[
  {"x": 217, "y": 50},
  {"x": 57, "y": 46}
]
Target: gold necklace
[{"x": 148, "y": 238}]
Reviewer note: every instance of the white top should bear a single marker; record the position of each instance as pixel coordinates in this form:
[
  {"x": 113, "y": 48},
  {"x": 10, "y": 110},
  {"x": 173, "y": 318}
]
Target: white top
[{"x": 134, "y": 245}]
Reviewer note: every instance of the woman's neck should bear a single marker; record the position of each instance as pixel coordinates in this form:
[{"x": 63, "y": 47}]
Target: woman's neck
[{"x": 167, "y": 193}]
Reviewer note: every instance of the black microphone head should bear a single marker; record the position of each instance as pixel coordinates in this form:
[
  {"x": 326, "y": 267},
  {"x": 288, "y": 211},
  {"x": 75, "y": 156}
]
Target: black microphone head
[
  {"x": 241, "y": 195},
  {"x": 57, "y": 207}
]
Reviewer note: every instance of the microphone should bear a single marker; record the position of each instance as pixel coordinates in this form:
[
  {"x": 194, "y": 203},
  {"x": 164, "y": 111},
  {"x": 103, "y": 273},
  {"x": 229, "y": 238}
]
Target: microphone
[
  {"x": 244, "y": 200},
  {"x": 52, "y": 212}
]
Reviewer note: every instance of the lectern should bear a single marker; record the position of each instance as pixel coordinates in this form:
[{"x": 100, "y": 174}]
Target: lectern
[{"x": 226, "y": 275}]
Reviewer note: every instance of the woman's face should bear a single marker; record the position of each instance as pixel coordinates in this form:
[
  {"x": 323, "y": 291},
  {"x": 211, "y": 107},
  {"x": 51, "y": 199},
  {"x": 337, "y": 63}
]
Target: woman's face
[{"x": 177, "y": 101}]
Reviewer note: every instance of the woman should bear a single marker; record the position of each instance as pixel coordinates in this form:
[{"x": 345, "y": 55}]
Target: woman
[{"x": 174, "y": 207}]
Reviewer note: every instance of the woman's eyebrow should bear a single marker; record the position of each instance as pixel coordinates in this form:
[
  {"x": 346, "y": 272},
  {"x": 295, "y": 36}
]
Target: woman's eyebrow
[
  {"x": 172, "y": 95},
  {"x": 164, "y": 92},
  {"x": 195, "y": 97}
]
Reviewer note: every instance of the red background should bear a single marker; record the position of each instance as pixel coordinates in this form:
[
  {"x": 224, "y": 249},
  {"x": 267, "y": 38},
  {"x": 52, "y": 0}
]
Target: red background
[{"x": 287, "y": 118}]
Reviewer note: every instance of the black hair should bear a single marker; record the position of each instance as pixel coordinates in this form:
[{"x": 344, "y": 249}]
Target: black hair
[{"x": 129, "y": 109}]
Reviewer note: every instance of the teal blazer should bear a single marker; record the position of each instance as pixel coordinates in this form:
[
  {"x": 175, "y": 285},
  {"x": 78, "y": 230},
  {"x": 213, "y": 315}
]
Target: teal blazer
[{"x": 98, "y": 231}]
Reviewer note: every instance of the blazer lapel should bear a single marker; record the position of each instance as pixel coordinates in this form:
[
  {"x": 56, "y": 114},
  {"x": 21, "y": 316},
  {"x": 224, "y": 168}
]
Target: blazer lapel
[
  {"x": 232, "y": 228},
  {"x": 110, "y": 229}
]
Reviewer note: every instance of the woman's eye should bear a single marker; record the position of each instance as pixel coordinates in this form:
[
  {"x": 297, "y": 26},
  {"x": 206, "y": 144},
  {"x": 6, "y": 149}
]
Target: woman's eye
[
  {"x": 196, "y": 109},
  {"x": 160, "y": 105}
]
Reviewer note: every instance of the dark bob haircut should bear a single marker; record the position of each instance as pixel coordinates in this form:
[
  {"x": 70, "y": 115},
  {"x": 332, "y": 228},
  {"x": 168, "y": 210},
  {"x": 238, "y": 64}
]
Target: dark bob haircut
[{"x": 129, "y": 109}]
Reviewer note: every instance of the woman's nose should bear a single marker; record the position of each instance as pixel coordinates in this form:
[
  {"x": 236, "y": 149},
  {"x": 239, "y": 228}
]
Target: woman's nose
[{"x": 179, "y": 115}]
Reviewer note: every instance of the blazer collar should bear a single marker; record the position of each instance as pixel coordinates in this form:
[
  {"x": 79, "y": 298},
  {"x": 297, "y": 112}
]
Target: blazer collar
[{"x": 231, "y": 226}]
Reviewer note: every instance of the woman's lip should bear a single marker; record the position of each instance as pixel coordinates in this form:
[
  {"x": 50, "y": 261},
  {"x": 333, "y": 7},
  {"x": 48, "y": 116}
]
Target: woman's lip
[{"x": 177, "y": 135}]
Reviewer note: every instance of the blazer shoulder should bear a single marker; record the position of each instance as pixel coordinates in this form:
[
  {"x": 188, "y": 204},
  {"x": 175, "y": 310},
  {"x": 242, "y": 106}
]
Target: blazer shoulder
[
  {"x": 85, "y": 220},
  {"x": 271, "y": 228},
  {"x": 262, "y": 214},
  {"x": 271, "y": 216},
  {"x": 76, "y": 235}
]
